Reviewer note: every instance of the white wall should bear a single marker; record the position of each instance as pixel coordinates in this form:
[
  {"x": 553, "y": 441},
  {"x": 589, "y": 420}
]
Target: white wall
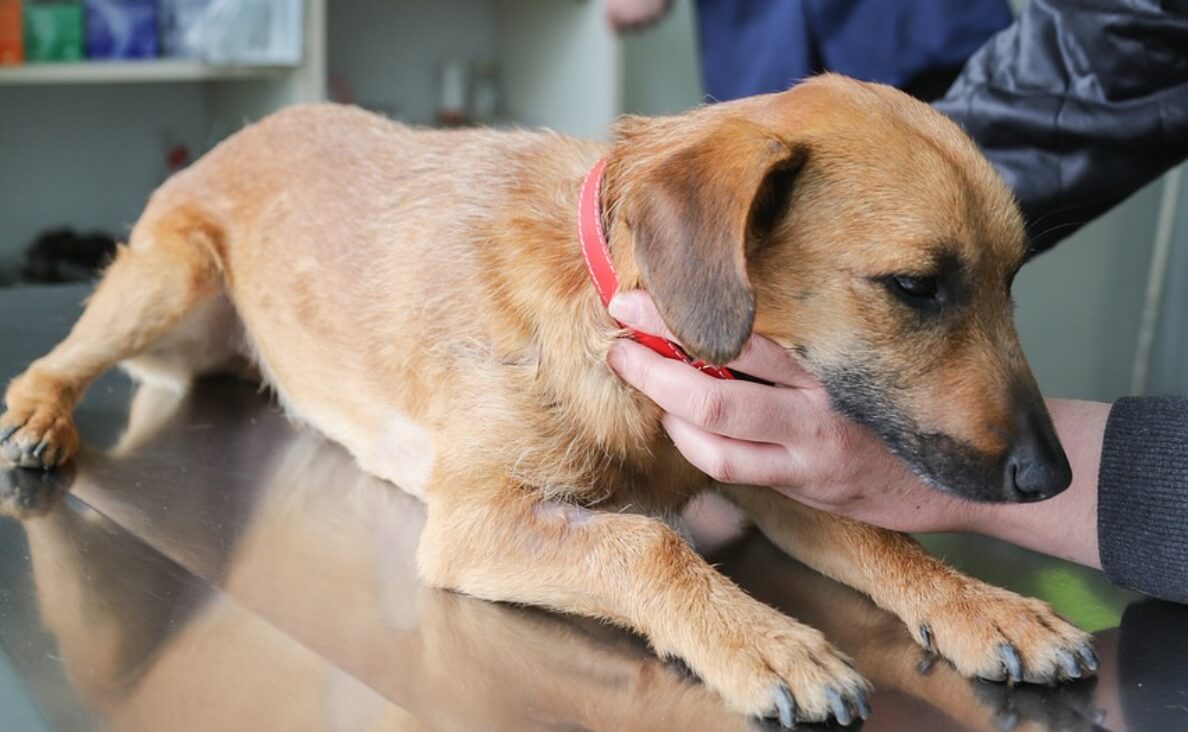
[
  {"x": 391, "y": 51},
  {"x": 561, "y": 65},
  {"x": 1169, "y": 372},
  {"x": 558, "y": 63},
  {"x": 108, "y": 154},
  {"x": 663, "y": 75},
  {"x": 1079, "y": 306}
]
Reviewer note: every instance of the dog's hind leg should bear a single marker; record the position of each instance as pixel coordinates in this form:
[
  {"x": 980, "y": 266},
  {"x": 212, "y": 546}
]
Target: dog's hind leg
[
  {"x": 169, "y": 270},
  {"x": 986, "y": 631},
  {"x": 509, "y": 545}
]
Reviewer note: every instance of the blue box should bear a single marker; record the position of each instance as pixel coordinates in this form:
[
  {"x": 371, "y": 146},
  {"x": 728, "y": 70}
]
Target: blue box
[{"x": 118, "y": 29}]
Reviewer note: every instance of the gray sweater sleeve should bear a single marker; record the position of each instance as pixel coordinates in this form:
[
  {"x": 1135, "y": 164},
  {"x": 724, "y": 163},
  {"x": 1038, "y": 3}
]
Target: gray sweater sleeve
[{"x": 1142, "y": 518}]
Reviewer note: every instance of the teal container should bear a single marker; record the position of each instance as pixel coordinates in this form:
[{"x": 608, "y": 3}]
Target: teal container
[{"x": 53, "y": 31}]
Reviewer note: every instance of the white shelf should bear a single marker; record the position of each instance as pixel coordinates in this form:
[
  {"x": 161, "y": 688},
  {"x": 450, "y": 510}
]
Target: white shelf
[{"x": 132, "y": 72}]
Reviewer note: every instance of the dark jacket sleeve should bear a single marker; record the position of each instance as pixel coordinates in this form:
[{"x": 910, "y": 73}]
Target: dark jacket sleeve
[
  {"x": 1142, "y": 512},
  {"x": 1078, "y": 104}
]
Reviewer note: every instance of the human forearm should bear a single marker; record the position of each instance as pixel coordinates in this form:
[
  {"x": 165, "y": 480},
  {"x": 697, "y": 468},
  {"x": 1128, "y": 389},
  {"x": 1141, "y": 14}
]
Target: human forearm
[{"x": 1064, "y": 526}]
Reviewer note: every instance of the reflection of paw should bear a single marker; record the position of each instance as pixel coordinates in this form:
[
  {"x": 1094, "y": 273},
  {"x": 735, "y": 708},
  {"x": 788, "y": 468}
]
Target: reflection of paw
[
  {"x": 26, "y": 494},
  {"x": 1068, "y": 708},
  {"x": 777, "y": 668},
  {"x": 37, "y": 435},
  {"x": 994, "y": 634}
]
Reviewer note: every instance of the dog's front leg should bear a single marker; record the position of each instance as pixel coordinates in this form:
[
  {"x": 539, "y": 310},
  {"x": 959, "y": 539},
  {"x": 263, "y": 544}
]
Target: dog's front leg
[
  {"x": 986, "y": 631},
  {"x": 636, "y": 571}
]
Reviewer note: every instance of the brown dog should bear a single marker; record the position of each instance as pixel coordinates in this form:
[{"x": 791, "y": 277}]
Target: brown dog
[{"x": 420, "y": 297}]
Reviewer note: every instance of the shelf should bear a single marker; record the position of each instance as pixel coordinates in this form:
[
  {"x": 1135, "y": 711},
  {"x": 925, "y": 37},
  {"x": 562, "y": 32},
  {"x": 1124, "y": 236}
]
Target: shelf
[{"x": 132, "y": 72}]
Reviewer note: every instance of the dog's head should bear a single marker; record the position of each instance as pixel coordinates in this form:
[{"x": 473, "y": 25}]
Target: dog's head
[{"x": 865, "y": 232}]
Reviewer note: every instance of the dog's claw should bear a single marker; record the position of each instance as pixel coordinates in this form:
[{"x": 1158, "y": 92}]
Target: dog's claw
[
  {"x": 926, "y": 638},
  {"x": 1072, "y": 669},
  {"x": 924, "y": 665},
  {"x": 863, "y": 705},
  {"x": 1010, "y": 662},
  {"x": 4, "y": 435},
  {"x": 37, "y": 451},
  {"x": 1088, "y": 657},
  {"x": 839, "y": 708},
  {"x": 786, "y": 706}
]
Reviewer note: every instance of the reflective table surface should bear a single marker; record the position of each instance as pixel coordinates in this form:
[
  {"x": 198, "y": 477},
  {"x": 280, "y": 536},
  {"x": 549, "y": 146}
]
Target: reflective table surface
[{"x": 204, "y": 565}]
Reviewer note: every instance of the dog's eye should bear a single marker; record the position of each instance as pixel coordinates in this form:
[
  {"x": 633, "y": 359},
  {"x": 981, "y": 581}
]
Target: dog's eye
[
  {"x": 915, "y": 290},
  {"x": 917, "y": 286}
]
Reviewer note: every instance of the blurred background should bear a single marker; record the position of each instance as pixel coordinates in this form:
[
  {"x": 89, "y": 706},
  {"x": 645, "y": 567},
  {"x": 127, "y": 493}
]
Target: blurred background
[{"x": 100, "y": 100}]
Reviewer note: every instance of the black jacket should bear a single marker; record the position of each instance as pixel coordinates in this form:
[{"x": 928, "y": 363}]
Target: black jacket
[{"x": 1079, "y": 104}]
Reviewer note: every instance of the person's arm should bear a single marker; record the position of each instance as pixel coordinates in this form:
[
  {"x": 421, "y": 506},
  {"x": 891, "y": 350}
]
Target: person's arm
[
  {"x": 632, "y": 15},
  {"x": 1078, "y": 104},
  {"x": 787, "y": 437},
  {"x": 1065, "y": 526}
]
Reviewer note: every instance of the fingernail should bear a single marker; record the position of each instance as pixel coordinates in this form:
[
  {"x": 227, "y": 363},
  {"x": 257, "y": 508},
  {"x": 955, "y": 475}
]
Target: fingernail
[{"x": 624, "y": 310}]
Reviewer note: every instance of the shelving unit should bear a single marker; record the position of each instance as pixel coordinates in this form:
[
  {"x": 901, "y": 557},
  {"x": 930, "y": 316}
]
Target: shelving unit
[
  {"x": 84, "y": 144},
  {"x": 134, "y": 72}
]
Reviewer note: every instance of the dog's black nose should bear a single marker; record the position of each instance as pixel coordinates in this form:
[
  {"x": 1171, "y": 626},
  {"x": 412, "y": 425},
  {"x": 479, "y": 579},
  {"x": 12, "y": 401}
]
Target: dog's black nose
[{"x": 1036, "y": 467}]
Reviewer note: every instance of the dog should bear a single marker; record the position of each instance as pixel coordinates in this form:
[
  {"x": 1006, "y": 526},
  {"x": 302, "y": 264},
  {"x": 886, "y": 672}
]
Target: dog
[{"x": 420, "y": 297}]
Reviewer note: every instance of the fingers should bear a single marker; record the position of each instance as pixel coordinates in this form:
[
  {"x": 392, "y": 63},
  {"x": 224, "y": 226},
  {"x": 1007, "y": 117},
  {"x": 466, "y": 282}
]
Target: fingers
[
  {"x": 772, "y": 363},
  {"x": 728, "y": 460},
  {"x": 760, "y": 357},
  {"x": 737, "y": 409}
]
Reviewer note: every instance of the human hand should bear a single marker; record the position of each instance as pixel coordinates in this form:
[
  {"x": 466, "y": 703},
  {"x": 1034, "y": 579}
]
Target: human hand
[
  {"x": 631, "y": 15},
  {"x": 785, "y": 436}
]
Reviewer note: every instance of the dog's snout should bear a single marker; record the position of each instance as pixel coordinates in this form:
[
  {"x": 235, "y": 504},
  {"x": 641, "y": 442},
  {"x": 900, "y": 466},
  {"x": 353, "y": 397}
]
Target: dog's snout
[{"x": 1036, "y": 466}]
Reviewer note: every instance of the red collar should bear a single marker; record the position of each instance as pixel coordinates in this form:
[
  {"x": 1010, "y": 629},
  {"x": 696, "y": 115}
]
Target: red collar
[{"x": 596, "y": 254}]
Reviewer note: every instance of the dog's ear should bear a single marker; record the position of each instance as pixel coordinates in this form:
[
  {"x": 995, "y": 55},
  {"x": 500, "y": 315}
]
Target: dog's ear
[{"x": 697, "y": 210}]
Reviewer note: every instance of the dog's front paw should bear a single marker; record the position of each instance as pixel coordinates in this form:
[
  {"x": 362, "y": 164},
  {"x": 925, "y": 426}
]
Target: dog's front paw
[
  {"x": 994, "y": 634},
  {"x": 776, "y": 668},
  {"x": 37, "y": 430}
]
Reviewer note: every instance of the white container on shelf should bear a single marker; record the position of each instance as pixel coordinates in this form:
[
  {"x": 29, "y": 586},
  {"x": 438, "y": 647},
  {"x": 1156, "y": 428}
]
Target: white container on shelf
[{"x": 242, "y": 31}]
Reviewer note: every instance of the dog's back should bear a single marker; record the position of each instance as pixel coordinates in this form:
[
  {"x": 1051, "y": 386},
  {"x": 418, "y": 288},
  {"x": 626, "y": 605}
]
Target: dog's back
[{"x": 378, "y": 271}]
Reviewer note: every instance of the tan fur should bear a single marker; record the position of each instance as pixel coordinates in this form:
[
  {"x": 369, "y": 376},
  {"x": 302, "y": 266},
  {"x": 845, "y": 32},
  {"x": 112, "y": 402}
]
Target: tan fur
[{"x": 431, "y": 280}]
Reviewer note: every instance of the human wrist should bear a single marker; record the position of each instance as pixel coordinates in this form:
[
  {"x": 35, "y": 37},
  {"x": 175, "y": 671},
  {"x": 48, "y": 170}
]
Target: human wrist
[{"x": 1065, "y": 525}]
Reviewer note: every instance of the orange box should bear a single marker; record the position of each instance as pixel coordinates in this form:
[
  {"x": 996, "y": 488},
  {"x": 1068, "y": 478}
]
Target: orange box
[{"x": 11, "y": 49}]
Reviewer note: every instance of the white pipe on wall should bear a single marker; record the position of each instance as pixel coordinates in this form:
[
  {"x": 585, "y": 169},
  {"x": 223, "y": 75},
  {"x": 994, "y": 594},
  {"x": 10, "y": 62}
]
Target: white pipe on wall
[{"x": 1140, "y": 373}]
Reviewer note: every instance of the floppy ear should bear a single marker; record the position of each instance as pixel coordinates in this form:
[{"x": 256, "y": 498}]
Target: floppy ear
[{"x": 696, "y": 210}]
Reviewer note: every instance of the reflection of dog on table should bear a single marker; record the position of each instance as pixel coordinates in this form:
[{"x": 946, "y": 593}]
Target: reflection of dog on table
[{"x": 319, "y": 556}]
